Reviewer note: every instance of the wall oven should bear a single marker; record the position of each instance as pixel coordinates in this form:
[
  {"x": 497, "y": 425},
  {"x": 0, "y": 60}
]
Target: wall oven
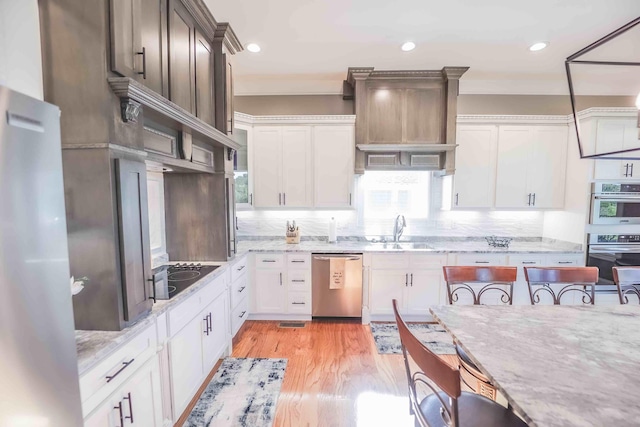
[
  {"x": 612, "y": 250},
  {"x": 615, "y": 203}
]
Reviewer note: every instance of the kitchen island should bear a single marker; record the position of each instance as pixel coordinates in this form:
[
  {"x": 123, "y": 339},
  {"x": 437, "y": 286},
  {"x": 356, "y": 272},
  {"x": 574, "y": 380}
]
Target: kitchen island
[{"x": 556, "y": 365}]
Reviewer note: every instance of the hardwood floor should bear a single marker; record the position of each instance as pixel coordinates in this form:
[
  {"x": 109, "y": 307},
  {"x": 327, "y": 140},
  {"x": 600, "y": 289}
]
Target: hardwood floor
[{"x": 335, "y": 376}]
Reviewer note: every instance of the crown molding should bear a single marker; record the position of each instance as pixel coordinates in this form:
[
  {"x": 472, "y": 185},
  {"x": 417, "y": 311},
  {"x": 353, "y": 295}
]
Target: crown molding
[
  {"x": 248, "y": 119},
  {"x": 606, "y": 112},
  {"x": 512, "y": 119},
  {"x": 225, "y": 33},
  {"x": 548, "y": 119}
]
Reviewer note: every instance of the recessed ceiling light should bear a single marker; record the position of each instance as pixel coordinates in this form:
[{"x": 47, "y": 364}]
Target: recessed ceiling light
[
  {"x": 408, "y": 46},
  {"x": 538, "y": 46},
  {"x": 252, "y": 47}
]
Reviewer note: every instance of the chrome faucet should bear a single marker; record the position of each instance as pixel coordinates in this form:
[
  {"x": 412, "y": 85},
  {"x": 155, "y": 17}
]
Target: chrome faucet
[{"x": 398, "y": 227}]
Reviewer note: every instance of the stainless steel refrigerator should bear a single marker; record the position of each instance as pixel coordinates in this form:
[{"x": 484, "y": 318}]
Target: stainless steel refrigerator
[{"x": 38, "y": 361}]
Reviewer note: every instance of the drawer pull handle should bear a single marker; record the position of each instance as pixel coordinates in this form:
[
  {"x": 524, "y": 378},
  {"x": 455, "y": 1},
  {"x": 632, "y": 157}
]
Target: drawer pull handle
[
  {"x": 528, "y": 262},
  {"x": 298, "y": 260},
  {"x": 242, "y": 314},
  {"x": 241, "y": 289},
  {"x": 130, "y": 417},
  {"x": 241, "y": 267},
  {"x": 565, "y": 262},
  {"x": 482, "y": 262},
  {"x": 298, "y": 303},
  {"x": 268, "y": 260},
  {"x": 124, "y": 365},
  {"x": 298, "y": 281}
]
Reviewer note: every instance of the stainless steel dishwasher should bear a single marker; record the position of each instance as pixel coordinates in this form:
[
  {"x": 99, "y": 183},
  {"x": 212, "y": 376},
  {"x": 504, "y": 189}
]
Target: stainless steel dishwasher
[{"x": 344, "y": 302}]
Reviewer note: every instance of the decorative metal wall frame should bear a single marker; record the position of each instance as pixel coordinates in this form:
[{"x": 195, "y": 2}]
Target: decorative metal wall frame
[{"x": 573, "y": 59}]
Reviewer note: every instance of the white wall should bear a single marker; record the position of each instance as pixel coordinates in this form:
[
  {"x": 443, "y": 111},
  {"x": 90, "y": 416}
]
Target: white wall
[{"x": 20, "y": 53}]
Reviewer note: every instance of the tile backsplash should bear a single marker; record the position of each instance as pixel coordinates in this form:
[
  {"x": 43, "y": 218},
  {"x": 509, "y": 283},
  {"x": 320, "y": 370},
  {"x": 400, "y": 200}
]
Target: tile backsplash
[
  {"x": 440, "y": 222},
  {"x": 350, "y": 223}
]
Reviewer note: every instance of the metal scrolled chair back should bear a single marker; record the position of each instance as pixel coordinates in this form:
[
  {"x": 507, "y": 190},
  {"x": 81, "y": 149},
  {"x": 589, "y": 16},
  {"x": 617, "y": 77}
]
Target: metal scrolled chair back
[
  {"x": 627, "y": 280},
  {"x": 479, "y": 282},
  {"x": 570, "y": 280}
]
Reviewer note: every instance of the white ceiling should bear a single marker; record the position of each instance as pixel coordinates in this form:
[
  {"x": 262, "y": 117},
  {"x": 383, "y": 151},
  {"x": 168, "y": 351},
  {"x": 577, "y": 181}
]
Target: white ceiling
[{"x": 307, "y": 45}]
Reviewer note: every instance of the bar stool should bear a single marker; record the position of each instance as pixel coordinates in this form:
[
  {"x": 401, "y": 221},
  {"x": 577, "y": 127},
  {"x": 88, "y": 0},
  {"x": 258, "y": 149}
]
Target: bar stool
[
  {"x": 627, "y": 280},
  {"x": 479, "y": 282},
  {"x": 566, "y": 280},
  {"x": 448, "y": 406}
]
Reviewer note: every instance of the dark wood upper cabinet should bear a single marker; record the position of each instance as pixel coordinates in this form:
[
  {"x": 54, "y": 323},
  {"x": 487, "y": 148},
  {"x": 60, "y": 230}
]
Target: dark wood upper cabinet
[
  {"x": 204, "y": 80},
  {"x": 182, "y": 52},
  {"x": 385, "y": 108},
  {"x": 135, "y": 251},
  {"x": 138, "y": 41}
]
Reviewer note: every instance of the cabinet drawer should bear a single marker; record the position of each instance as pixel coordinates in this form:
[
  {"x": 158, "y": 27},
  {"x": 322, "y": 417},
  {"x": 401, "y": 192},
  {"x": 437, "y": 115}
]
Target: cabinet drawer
[
  {"x": 212, "y": 290},
  {"x": 526, "y": 260},
  {"x": 238, "y": 269},
  {"x": 299, "y": 261},
  {"x": 239, "y": 315},
  {"x": 380, "y": 261},
  {"x": 181, "y": 315},
  {"x": 567, "y": 260},
  {"x": 271, "y": 261},
  {"x": 299, "y": 303},
  {"x": 239, "y": 290},
  {"x": 481, "y": 259},
  {"x": 422, "y": 261},
  {"x": 299, "y": 280},
  {"x": 98, "y": 383}
]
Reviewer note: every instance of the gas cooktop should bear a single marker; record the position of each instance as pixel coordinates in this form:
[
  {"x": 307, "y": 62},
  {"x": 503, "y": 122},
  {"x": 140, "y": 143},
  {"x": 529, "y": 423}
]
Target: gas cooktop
[{"x": 170, "y": 280}]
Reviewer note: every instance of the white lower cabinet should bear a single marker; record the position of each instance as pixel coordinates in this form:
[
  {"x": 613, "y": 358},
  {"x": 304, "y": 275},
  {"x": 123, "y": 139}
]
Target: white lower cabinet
[
  {"x": 138, "y": 402},
  {"x": 282, "y": 285},
  {"x": 412, "y": 279},
  {"x": 196, "y": 347},
  {"x": 239, "y": 294},
  {"x": 270, "y": 291},
  {"x": 185, "y": 363}
]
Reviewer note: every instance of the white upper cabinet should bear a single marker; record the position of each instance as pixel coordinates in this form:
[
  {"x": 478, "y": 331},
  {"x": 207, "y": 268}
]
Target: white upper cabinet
[
  {"x": 303, "y": 166},
  {"x": 614, "y": 134},
  {"x": 531, "y": 167},
  {"x": 547, "y": 169},
  {"x": 282, "y": 166},
  {"x": 296, "y": 167},
  {"x": 475, "y": 177},
  {"x": 267, "y": 156},
  {"x": 333, "y": 157}
]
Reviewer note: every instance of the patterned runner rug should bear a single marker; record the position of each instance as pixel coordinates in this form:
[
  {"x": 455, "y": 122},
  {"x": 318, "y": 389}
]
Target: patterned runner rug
[
  {"x": 433, "y": 336},
  {"x": 242, "y": 393}
]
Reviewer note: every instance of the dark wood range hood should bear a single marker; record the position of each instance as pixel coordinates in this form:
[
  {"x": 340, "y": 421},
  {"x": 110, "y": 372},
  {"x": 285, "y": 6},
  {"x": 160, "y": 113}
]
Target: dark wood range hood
[{"x": 404, "y": 119}]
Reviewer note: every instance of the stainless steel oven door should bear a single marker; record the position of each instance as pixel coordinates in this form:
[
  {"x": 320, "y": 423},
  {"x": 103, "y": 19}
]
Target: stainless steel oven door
[
  {"x": 619, "y": 210},
  {"x": 607, "y": 256}
]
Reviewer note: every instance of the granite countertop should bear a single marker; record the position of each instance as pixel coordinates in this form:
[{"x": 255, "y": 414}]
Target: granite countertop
[
  {"x": 434, "y": 245},
  {"x": 557, "y": 365},
  {"x": 93, "y": 346}
]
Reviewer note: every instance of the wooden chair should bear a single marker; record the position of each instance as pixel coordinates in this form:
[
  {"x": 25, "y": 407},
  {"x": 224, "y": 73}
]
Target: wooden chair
[
  {"x": 479, "y": 282},
  {"x": 627, "y": 280},
  {"x": 449, "y": 407},
  {"x": 567, "y": 280}
]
